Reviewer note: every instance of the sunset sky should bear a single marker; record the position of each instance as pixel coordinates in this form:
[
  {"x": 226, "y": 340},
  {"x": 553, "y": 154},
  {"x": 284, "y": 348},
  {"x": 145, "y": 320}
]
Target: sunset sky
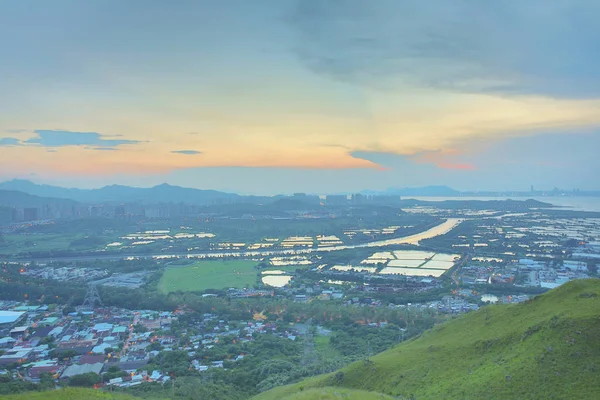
[{"x": 278, "y": 96}]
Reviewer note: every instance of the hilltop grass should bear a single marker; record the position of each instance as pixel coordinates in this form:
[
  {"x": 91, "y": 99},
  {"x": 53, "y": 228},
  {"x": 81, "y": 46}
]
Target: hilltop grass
[
  {"x": 336, "y": 394},
  {"x": 545, "y": 348},
  {"x": 69, "y": 394},
  {"x": 324, "y": 348},
  {"x": 204, "y": 275}
]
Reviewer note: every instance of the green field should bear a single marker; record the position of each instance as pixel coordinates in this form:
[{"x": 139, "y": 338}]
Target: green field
[
  {"x": 68, "y": 394},
  {"x": 336, "y": 394},
  {"x": 204, "y": 275},
  {"x": 15, "y": 243}
]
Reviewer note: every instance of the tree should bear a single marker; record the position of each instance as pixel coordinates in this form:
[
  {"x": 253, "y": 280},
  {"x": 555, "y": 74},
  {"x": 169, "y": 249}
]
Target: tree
[
  {"x": 68, "y": 310},
  {"x": 47, "y": 340},
  {"x": 155, "y": 346},
  {"x": 85, "y": 380},
  {"x": 63, "y": 354},
  {"x": 46, "y": 381}
]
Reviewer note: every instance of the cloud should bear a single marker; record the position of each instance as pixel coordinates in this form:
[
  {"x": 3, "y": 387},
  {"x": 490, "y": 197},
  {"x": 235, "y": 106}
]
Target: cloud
[
  {"x": 9, "y": 141},
  {"x": 451, "y": 159},
  {"x": 457, "y": 166},
  {"x": 55, "y": 138},
  {"x": 102, "y": 148},
  {"x": 17, "y": 130},
  {"x": 186, "y": 152},
  {"x": 510, "y": 46}
]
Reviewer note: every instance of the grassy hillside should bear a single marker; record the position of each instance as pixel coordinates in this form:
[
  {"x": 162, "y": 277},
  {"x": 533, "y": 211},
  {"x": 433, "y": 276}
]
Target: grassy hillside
[
  {"x": 331, "y": 393},
  {"x": 546, "y": 348},
  {"x": 69, "y": 394}
]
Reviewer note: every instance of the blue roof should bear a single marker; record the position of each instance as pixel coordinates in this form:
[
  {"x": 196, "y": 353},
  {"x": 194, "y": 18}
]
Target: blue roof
[{"x": 9, "y": 317}]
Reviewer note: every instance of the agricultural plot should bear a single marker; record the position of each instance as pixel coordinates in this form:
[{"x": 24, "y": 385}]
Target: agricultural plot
[
  {"x": 413, "y": 271},
  {"x": 438, "y": 265},
  {"x": 411, "y": 262},
  {"x": 444, "y": 257},
  {"x": 276, "y": 280},
  {"x": 412, "y": 255},
  {"x": 346, "y": 268},
  {"x": 203, "y": 275},
  {"x": 406, "y": 263}
]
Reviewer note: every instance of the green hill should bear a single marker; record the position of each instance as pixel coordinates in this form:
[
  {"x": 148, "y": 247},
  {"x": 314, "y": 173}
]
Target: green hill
[
  {"x": 545, "y": 348},
  {"x": 69, "y": 394},
  {"x": 331, "y": 393}
]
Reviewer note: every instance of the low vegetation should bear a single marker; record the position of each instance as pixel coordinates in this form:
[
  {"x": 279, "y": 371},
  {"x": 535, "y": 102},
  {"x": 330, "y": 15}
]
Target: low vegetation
[
  {"x": 69, "y": 394},
  {"x": 336, "y": 394}
]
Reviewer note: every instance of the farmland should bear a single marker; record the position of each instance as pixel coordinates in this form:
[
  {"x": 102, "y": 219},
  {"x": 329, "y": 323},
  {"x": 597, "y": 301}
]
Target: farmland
[{"x": 204, "y": 275}]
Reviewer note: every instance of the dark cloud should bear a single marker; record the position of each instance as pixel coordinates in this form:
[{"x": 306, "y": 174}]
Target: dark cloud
[
  {"x": 186, "y": 152},
  {"x": 56, "y": 138},
  {"x": 535, "y": 47},
  {"x": 102, "y": 148},
  {"x": 9, "y": 141}
]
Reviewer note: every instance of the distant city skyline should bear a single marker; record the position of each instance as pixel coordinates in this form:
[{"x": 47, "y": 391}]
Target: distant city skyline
[{"x": 315, "y": 96}]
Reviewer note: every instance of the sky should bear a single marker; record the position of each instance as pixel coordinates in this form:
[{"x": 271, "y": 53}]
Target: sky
[{"x": 282, "y": 96}]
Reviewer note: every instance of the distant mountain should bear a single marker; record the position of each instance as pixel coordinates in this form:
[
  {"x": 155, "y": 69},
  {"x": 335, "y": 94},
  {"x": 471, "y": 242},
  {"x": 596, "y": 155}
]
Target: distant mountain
[
  {"x": 164, "y": 193},
  {"x": 116, "y": 193},
  {"x": 14, "y": 198},
  {"x": 29, "y": 187},
  {"x": 545, "y": 348},
  {"x": 425, "y": 191}
]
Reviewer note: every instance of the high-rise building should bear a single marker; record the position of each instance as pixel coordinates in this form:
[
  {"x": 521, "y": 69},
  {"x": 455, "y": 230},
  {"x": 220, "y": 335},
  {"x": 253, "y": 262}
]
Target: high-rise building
[
  {"x": 6, "y": 215},
  {"x": 336, "y": 200},
  {"x": 30, "y": 214}
]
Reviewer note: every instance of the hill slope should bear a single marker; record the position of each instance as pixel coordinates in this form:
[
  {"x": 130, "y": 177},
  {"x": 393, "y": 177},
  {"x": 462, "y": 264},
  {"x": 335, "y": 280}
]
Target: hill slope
[
  {"x": 548, "y": 347},
  {"x": 69, "y": 394},
  {"x": 14, "y": 198}
]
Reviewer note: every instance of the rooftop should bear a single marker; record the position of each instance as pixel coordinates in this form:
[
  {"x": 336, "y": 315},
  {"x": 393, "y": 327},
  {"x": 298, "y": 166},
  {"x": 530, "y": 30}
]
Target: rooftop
[
  {"x": 9, "y": 317},
  {"x": 76, "y": 369}
]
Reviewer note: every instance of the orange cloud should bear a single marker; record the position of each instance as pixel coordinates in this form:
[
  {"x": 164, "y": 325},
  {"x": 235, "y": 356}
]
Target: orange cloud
[
  {"x": 290, "y": 129},
  {"x": 457, "y": 166},
  {"x": 445, "y": 159}
]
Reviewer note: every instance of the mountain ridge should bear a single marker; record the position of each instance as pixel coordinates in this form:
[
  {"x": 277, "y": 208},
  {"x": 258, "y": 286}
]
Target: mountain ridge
[
  {"x": 15, "y": 198},
  {"x": 166, "y": 193},
  {"x": 172, "y": 193},
  {"x": 119, "y": 193}
]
